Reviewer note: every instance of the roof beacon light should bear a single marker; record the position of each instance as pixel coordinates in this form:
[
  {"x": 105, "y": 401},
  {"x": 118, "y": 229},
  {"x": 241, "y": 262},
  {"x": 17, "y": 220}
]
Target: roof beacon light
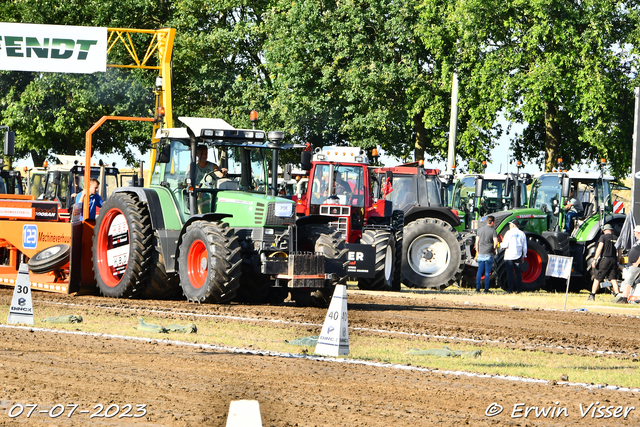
[
  {"x": 374, "y": 152},
  {"x": 253, "y": 116}
]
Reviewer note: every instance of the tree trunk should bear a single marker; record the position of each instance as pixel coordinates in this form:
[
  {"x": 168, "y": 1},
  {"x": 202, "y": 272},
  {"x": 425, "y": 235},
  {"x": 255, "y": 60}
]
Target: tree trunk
[
  {"x": 552, "y": 137},
  {"x": 420, "y": 141}
]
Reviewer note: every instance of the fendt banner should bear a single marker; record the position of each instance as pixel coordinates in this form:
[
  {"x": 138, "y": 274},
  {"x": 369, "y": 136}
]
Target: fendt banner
[{"x": 52, "y": 48}]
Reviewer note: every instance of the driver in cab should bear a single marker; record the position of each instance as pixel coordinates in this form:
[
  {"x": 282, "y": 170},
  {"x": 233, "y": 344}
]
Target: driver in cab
[{"x": 204, "y": 167}]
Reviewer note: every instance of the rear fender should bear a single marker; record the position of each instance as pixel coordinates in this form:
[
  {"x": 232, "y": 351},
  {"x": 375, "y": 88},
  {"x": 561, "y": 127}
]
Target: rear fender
[{"x": 442, "y": 213}]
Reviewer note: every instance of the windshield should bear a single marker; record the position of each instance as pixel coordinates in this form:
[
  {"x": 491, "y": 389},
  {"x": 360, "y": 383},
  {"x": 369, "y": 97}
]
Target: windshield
[
  {"x": 403, "y": 195},
  {"x": 464, "y": 191},
  {"x": 348, "y": 184},
  {"x": 545, "y": 193}
]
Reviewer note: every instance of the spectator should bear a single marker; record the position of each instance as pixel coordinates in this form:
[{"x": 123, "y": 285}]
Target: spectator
[
  {"x": 606, "y": 261},
  {"x": 95, "y": 201},
  {"x": 515, "y": 247},
  {"x": 486, "y": 244},
  {"x": 573, "y": 208},
  {"x": 633, "y": 263}
]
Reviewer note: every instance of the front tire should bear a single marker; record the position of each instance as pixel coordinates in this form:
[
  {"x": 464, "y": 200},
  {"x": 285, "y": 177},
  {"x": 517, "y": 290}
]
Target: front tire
[
  {"x": 324, "y": 239},
  {"x": 431, "y": 254},
  {"x": 122, "y": 246},
  {"x": 385, "y": 260},
  {"x": 209, "y": 263}
]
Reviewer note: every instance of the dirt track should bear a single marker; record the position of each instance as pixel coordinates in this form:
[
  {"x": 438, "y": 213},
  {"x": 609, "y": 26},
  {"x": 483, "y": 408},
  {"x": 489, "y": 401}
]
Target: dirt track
[{"x": 186, "y": 385}]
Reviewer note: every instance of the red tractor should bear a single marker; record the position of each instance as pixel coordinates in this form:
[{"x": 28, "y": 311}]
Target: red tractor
[
  {"x": 433, "y": 252},
  {"x": 343, "y": 189}
]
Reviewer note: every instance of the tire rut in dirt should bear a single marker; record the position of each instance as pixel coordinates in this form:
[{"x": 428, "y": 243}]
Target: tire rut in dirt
[
  {"x": 324, "y": 239},
  {"x": 385, "y": 257},
  {"x": 209, "y": 263},
  {"x": 122, "y": 246},
  {"x": 432, "y": 254}
]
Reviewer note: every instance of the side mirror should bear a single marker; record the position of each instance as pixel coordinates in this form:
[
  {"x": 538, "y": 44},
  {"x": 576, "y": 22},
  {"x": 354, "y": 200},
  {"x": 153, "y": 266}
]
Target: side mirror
[
  {"x": 305, "y": 160},
  {"x": 9, "y": 143},
  {"x": 507, "y": 186},
  {"x": 287, "y": 174},
  {"x": 566, "y": 186},
  {"x": 164, "y": 154},
  {"x": 479, "y": 184},
  {"x": 56, "y": 178},
  {"x": 388, "y": 175}
]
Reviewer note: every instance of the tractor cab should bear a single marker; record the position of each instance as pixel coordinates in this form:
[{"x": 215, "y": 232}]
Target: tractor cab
[
  {"x": 236, "y": 167},
  {"x": 10, "y": 182},
  {"x": 340, "y": 185},
  {"x": 552, "y": 192},
  {"x": 477, "y": 196}
]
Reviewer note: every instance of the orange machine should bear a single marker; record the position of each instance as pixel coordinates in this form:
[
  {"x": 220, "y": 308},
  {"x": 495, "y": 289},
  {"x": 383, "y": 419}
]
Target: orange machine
[{"x": 58, "y": 250}]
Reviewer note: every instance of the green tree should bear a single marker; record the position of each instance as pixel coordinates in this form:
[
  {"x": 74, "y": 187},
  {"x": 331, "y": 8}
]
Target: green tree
[
  {"x": 366, "y": 73},
  {"x": 51, "y": 112},
  {"x": 561, "y": 68}
]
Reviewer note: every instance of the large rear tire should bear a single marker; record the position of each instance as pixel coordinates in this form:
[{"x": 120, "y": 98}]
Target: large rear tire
[
  {"x": 122, "y": 246},
  {"x": 324, "y": 239},
  {"x": 385, "y": 260},
  {"x": 209, "y": 263},
  {"x": 432, "y": 254}
]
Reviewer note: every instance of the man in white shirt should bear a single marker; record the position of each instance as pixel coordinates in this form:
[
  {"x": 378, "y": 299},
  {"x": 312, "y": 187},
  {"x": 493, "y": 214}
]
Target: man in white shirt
[{"x": 515, "y": 249}]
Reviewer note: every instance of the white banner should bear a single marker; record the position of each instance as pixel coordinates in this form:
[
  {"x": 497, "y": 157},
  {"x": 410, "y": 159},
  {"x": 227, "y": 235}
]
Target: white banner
[
  {"x": 559, "y": 266},
  {"x": 52, "y": 48}
]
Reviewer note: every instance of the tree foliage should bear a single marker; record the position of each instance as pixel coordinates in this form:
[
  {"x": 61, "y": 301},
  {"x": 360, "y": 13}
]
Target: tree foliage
[
  {"x": 560, "y": 68},
  {"x": 366, "y": 73}
]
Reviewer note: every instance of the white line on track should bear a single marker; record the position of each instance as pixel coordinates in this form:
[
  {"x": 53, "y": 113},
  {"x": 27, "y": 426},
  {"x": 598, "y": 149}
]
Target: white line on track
[
  {"x": 324, "y": 359},
  {"x": 384, "y": 331}
]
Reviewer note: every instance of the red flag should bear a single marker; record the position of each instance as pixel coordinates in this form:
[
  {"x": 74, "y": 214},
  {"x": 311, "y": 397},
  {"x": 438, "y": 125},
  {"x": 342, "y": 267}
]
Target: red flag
[{"x": 387, "y": 187}]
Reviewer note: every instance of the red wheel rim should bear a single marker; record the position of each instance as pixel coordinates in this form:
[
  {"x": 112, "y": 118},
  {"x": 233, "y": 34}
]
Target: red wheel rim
[
  {"x": 109, "y": 243},
  {"x": 534, "y": 267},
  {"x": 198, "y": 264}
]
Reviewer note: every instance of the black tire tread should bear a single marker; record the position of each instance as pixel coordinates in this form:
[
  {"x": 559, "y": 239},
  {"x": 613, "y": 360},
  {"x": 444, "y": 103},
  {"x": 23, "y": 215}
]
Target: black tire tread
[
  {"x": 140, "y": 235},
  {"x": 223, "y": 246},
  {"x": 380, "y": 239}
]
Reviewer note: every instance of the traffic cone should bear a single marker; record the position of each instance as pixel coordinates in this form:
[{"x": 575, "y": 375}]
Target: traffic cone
[
  {"x": 21, "y": 310},
  {"x": 334, "y": 338}
]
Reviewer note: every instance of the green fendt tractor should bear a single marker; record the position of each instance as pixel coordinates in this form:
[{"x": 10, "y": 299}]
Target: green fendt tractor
[
  {"x": 543, "y": 222},
  {"x": 218, "y": 238}
]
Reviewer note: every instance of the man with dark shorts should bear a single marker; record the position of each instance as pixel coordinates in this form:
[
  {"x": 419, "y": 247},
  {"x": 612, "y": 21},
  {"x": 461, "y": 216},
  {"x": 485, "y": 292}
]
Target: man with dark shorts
[{"x": 606, "y": 261}]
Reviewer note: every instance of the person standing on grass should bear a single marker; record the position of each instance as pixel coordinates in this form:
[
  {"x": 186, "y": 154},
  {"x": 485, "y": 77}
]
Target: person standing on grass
[
  {"x": 515, "y": 249},
  {"x": 486, "y": 244},
  {"x": 633, "y": 263},
  {"x": 605, "y": 262}
]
